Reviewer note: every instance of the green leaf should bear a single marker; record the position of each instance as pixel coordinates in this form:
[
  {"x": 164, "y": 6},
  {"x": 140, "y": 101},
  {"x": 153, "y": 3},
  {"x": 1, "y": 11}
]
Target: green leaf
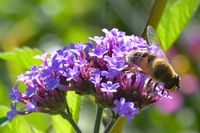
[
  {"x": 22, "y": 56},
  {"x": 175, "y": 17},
  {"x": 38, "y": 119},
  {"x": 3, "y": 93},
  {"x": 63, "y": 126},
  {"x": 17, "y": 125},
  {"x": 36, "y": 130},
  {"x": 3, "y": 121}
]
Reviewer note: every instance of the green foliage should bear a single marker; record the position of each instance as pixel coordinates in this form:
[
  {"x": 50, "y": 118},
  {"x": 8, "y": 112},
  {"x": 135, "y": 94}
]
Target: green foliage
[
  {"x": 3, "y": 93},
  {"x": 36, "y": 130},
  {"x": 174, "y": 19},
  {"x": 18, "y": 125},
  {"x": 22, "y": 57},
  {"x": 3, "y": 121},
  {"x": 60, "y": 124},
  {"x": 38, "y": 120},
  {"x": 74, "y": 102}
]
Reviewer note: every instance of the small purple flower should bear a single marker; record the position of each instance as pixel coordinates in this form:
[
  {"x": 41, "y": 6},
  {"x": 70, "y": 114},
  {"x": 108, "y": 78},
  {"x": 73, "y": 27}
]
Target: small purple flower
[
  {"x": 125, "y": 108},
  {"x": 88, "y": 48},
  {"x": 81, "y": 63},
  {"x": 139, "y": 43},
  {"x": 15, "y": 95},
  {"x": 96, "y": 80},
  {"x": 128, "y": 110},
  {"x": 46, "y": 71},
  {"x": 54, "y": 64},
  {"x": 110, "y": 74},
  {"x": 109, "y": 87},
  {"x": 72, "y": 73},
  {"x": 22, "y": 77},
  {"x": 51, "y": 83},
  {"x": 116, "y": 63},
  {"x": 120, "y": 51},
  {"x": 11, "y": 114},
  {"x": 30, "y": 92},
  {"x": 80, "y": 47},
  {"x": 61, "y": 56},
  {"x": 118, "y": 105},
  {"x": 31, "y": 106},
  {"x": 99, "y": 51},
  {"x": 34, "y": 72},
  {"x": 105, "y": 73},
  {"x": 113, "y": 33},
  {"x": 95, "y": 72},
  {"x": 97, "y": 40}
]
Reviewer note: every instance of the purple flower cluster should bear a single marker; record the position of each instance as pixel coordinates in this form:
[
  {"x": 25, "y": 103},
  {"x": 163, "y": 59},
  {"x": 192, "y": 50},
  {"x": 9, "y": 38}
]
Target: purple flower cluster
[
  {"x": 98, "y": 68},
  {"x": 125, "y": 108}
]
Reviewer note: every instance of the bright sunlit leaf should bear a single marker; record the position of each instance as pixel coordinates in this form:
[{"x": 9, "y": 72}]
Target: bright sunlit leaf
[
  {"x": 23, "y": 57},
  {"x": 18, "y": 125},
  {"x": 174, "y": 19},
  {"x": 36, "y": 130}
]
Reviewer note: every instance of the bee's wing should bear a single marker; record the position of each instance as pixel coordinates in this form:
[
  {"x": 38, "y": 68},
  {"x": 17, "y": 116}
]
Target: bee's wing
[
  {"x": 154, "y": 39},
  {"x": 152, "y": 36}
]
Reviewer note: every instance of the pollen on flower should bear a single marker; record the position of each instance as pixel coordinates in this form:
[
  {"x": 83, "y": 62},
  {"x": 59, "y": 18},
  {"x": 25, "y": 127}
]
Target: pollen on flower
[{"x": 97, "y": 68}]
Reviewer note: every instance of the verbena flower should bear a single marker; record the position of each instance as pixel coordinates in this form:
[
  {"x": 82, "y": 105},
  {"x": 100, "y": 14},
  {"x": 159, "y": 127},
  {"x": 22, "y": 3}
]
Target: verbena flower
[
  {"x": 125, "y": 108},
  {"x": 109, "y": 87},
  {"x": 98, "y": 68}
]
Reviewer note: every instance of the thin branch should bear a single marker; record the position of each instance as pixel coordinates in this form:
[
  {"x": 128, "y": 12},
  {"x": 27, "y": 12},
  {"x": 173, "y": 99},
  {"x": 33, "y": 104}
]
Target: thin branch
[
  {"x": 155, "y": 15},
  {"x": 98, "y": 119},
  {"x": 111, "y": 124},
  {"x": 71, "y": 121}
]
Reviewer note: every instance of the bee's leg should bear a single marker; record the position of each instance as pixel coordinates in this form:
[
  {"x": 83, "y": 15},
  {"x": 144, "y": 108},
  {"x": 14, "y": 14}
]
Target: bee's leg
[
  {"x": 167, "y": 93},
  {"x": 154, "y": 88},
  {"x": 163, "y": 91},
  {"x": 148, "y": 83}
]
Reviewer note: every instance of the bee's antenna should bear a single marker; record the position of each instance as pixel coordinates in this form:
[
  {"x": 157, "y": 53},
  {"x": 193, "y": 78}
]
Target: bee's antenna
[{"x": 178, "y": 80}]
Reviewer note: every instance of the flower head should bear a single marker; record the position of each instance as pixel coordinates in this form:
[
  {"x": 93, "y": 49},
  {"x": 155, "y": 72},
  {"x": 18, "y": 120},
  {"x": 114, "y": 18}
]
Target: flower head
[{"x": 98, "y": 68}]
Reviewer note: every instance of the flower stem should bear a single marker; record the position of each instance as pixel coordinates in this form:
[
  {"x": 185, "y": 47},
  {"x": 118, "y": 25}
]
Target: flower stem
[
  {"x": 111, "y": 125},
  {"x": 98, "y": 119},
  {"x": 155, "y": 15},
  {"x": 71, "y": 121},
  {"x": 118, "y": 125}
]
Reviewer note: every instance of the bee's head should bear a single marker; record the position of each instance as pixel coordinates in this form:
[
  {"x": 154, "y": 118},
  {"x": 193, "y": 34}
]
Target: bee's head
[{"x": 173, "y": 83}]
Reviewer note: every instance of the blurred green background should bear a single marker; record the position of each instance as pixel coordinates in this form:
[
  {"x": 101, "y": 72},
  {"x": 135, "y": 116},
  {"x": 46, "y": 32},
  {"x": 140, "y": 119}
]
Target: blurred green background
[{"x": 51, "y": 24}]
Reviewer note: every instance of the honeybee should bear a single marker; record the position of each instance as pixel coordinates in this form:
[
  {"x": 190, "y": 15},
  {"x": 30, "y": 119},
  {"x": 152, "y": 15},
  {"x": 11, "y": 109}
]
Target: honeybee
[{"x": 156, "y": 67}]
